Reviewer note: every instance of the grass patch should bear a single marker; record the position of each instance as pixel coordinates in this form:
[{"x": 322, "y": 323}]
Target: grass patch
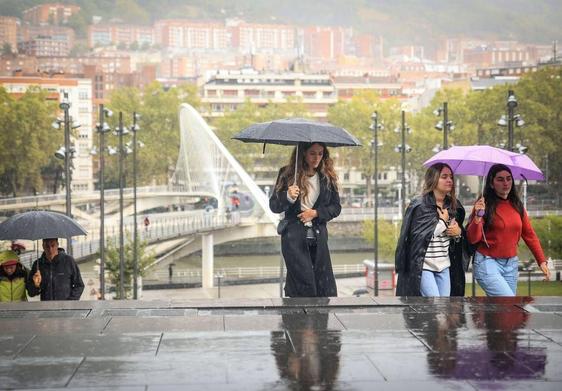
[{"x": 538, "y": 288}]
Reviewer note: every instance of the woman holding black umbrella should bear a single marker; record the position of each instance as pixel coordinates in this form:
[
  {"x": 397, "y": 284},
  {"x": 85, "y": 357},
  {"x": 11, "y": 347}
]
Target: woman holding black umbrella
[{"x": 307, "y": 192}]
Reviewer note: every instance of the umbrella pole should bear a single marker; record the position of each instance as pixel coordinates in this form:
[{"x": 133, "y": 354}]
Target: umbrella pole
[{"x": 296, "y": 164}]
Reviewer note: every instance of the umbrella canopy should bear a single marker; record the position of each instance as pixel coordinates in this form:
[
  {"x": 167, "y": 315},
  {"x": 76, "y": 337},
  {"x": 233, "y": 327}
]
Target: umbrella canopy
[
  {"x": 39, "y": 224},
  {"x": 292, "y": 131},
  {"x": 477, "y": 160}
]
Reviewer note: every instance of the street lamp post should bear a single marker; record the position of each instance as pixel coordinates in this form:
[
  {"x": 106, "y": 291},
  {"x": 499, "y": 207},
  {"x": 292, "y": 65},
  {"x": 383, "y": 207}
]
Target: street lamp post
[
  {"x": 66, "y": 153},
  {"x": 511, "y": 105},
  {"x": 102, "y": 129},
  {"x": 511, "y": 120},
  {"x": 375, "y": 127},
  {"x": 65, "y": 106},
  {"x": 403, "y": 148},
  {"x": 134, "y": 130},
  {"x": 121, "y": 132},
  {"x": 444, "y": 125}
]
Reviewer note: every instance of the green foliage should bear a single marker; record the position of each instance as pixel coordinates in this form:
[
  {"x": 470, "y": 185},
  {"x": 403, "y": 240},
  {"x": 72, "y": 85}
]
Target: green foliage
[
  {"x": 7, "y": 49},
  {"x": 159, "y": 130},
  {"x": 145, "y": 259},
  {"x": 388, "y": 237},
  {"x": 250, "y": 155},
  {"x": 538, "y": 288},
  {"x": 548, "y": 230},
  {"x": 28, "y": 140}
]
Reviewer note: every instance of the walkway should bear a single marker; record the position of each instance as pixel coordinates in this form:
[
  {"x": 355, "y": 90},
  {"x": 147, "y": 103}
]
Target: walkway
[{"x": 363, "y": 343}]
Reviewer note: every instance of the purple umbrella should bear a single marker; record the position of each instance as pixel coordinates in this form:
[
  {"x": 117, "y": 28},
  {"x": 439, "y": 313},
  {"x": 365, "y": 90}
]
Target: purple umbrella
[{"x": 477, "y": 160}]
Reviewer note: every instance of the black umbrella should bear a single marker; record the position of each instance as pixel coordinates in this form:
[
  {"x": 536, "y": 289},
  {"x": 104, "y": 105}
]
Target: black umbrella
[
  {"x": 39, "y": 224},
  {"x": 292, "y": 131}
]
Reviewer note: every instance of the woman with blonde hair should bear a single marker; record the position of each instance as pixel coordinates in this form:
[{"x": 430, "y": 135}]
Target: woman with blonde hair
[
  {"x": 428, "y": 255},
  {"x": 308, "y": 196}
]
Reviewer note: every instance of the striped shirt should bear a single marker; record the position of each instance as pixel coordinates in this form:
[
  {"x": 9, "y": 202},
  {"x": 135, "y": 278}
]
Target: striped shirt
[{"x": 437, "y": 254}]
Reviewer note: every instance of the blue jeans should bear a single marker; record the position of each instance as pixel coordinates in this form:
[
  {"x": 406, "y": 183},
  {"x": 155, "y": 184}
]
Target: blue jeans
[
  {"x": 435, "y": 283},
  {"x": 497, "y": 276}
]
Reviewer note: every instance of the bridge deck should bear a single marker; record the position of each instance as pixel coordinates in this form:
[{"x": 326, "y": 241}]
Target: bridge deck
[{"x": 344, "y": 343}]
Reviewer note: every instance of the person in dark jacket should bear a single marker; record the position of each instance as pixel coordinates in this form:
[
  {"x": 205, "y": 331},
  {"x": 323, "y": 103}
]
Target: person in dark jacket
[
  {"x": 429, "y": 253},
  {"x": 55, "y": 275},
  {"x": 308, "y": 203}
]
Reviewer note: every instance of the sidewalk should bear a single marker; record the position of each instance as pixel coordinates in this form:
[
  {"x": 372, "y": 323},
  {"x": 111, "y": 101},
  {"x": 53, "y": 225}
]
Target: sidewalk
[{"x": 346, "y": 287}]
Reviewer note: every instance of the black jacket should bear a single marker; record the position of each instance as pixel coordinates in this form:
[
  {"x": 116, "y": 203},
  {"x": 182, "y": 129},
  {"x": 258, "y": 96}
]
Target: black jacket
[
  {"x": 60, "y": 278},
  {"x": 418, "y": 226},
  {"x": 309, "y": 270}
]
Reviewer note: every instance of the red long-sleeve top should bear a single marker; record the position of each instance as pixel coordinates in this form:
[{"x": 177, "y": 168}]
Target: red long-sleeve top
[{"x": 504, "y": 234}]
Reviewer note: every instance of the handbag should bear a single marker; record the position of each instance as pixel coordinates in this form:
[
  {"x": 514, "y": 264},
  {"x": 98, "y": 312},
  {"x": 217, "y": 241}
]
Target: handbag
[{"x": 282, "y": 226}]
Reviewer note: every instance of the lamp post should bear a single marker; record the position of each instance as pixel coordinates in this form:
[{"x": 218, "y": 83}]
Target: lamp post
[
  {"x": 512, "y": 119},
  {"x": 375, "y": 127},
  {"x": 444, "y": 125},
  {"x": 403, "y": 148},
  {"x": 121, "y": 132},
  {"x": 66, "y": 153},
  {"x": 102, "y": 128},
  {"x": 134, "y": 130}
]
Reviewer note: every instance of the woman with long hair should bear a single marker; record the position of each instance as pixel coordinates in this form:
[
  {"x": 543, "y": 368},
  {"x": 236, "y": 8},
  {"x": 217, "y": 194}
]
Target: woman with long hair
[
  {"x": 309, "y": 200},
  {"x": 497, "y": 222},
  {"x": 428, "y": 255}
]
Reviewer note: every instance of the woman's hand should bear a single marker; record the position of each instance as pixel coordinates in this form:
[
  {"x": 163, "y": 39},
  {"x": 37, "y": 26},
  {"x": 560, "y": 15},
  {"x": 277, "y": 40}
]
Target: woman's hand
[
  {"x": 443, "y": 213},
  {"x": 454, "y": 230},
  {"x": 479, "y": 208},
  {"x": 293, "y": 192},
  {"x": 307, "y": 215},
  {"x": 545, "y": 270}
]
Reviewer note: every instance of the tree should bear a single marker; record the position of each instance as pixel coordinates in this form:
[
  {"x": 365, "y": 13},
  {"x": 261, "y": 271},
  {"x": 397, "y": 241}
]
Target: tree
[
  {"x": 388, "y": 237},
  {"x": 248, "y": 113},
  {"x": 145, "y": 259},
  {"x": 540, "y": 104},
  {"x": 28, "y": 140},
  {"x": 159, "y": 129},
  {"x": 548, "y": 230},
  {"x": 355, "y": 117},
  {"x": 7, "y": 49}
]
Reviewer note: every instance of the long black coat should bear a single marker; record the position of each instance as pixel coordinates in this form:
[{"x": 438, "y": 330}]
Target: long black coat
[
  {"x": 309, "y": 269},
  {"x": 60, "y": 278},
  {"x": 419, "y": 223}
]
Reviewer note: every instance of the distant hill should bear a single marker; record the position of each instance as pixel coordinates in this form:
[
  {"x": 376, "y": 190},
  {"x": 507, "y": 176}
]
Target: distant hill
[{"x": 398, "y": 21}]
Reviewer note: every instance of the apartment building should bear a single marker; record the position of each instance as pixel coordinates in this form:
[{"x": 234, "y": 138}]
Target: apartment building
[
  {"x": 50, "y": 13},
  {"x": 187, "y": 34},
  {"x": 80, "y": 96},
  {"x": 46, "y": 41},
  {"x": 9, "y": 31},
  {"x": 257, "y": 37},
  {"x": 226, "y": 90},
  {"x": 115, "y": 34}
]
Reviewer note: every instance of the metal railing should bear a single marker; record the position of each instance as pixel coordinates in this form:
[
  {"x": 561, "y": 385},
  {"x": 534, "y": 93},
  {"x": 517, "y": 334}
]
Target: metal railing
[
  {"x": 166, "y": 228},
  {"x": 236, "y": 273}
]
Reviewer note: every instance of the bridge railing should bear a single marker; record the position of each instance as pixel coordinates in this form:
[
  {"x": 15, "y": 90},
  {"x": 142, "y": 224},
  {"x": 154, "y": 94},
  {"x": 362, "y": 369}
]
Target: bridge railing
[
  {"x": 237, "y": 273},
  {"x": 43, "y": 198},
  {"x": 171, "y": 227}
]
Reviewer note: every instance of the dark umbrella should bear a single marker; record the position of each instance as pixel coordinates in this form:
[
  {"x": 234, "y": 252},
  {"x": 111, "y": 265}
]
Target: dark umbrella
[
  {"x": 40, "y": 224},
  {"x": 292, "y": 131}
]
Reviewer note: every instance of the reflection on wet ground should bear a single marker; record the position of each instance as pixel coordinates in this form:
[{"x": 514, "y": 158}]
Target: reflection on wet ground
[{"x": 278, "y": 344}]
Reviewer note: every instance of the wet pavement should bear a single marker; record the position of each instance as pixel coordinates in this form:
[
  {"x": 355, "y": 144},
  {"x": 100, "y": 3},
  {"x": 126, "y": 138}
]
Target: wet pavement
[{"x": 365, "y": 343}]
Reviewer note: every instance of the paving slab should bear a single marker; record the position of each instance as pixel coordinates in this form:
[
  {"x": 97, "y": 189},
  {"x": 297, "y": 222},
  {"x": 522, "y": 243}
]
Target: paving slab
[{"x": 382, "y": 343}]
